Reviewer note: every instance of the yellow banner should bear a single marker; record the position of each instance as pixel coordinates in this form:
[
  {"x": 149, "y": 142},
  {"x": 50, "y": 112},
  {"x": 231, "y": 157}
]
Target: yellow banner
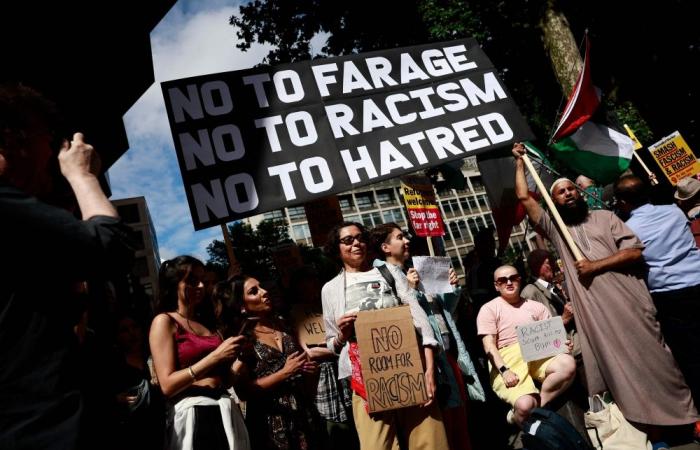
[
  {"x": 630, "y": 133},
  {"x": 675, "y": 158}
]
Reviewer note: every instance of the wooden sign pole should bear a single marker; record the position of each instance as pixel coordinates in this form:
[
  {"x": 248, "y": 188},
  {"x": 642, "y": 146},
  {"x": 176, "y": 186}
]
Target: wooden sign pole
[{"x": 232, "y": 262}]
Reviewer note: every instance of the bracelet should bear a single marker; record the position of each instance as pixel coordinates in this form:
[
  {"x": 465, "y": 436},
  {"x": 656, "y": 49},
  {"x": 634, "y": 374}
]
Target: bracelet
[{"x": 192, "y": 373}]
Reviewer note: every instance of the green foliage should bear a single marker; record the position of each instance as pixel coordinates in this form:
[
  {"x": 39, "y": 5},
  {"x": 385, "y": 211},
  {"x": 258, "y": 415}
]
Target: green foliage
[
  {"x": 252, "y": 248},
  {"x": 627, "y": 113},
  {"x": 451, "y": 20}
]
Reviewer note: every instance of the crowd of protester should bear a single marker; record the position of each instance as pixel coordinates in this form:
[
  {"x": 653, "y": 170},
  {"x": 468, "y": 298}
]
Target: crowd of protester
[{"x": 221, "y": 365}]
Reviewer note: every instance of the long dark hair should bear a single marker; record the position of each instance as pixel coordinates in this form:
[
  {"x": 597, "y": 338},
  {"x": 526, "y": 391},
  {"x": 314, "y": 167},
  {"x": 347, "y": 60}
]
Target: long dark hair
[
  {"x": 229, "y": 294},
  {"x": 171, "y": 273}
]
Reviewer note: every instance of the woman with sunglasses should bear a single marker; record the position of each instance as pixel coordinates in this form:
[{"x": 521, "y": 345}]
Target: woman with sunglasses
[
  {"x": 512, "y": 377},
  {"x": 360, "y": 286}
]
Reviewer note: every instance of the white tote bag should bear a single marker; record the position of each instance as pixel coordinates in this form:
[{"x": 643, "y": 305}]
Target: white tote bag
[{"x": 609, "y": 430}]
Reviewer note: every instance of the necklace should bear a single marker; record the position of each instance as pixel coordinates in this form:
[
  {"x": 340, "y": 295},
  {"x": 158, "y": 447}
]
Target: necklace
[{"x": 265, "y": 331}]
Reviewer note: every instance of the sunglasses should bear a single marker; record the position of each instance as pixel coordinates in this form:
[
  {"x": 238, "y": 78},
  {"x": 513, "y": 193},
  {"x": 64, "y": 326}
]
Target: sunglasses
[
  {"x": 503, "y": 280},
  {"x": 348, "y": 240}
]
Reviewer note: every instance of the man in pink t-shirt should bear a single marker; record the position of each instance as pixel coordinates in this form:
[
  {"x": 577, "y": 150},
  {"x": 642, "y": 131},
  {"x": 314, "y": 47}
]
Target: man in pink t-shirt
[{"x": 512, "y": 377}]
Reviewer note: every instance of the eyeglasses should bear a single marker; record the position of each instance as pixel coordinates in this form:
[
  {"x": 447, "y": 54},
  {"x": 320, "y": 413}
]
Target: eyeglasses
[
  {"x": 512, "y": 278},
  {"x": 348, "y": 240}
]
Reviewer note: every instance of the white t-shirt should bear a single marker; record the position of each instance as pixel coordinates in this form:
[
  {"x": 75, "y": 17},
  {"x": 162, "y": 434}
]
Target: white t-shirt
[{"x": 367, "y": 290}]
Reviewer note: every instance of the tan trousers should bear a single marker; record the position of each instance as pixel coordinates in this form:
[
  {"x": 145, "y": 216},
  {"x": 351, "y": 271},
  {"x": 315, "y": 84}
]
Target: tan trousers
[{"x": 421, "y": 428}]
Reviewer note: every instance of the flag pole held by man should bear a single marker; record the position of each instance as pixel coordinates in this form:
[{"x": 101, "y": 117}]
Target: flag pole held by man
[{"x": 622, "y": 346}]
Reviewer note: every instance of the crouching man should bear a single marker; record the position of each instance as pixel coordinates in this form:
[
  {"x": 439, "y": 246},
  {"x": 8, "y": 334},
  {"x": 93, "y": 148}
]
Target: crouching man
[{"x": 512, "y": 379}]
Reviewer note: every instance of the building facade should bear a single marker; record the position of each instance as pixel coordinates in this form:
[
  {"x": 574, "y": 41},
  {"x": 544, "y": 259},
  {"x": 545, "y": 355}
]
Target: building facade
[
  {"x": 134, "y": 212},
  {"x": 464, "y": 213}
]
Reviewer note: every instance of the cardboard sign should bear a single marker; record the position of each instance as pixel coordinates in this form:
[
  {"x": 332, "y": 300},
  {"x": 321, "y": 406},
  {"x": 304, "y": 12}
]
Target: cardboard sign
[
  {"x": 261, "y": 139},
  {"x": 391, "y": 362},
  {"x": 542, "y": 339},
  {"x": 675, "y": 158},
  {"x": 309, "y": 326},
  {"x": 423, "y": 210}
]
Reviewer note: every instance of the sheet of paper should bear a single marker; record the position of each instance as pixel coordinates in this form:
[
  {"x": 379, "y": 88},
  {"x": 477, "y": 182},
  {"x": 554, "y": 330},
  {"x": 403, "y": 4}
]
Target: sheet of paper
[{"x": 434, "y": 273}]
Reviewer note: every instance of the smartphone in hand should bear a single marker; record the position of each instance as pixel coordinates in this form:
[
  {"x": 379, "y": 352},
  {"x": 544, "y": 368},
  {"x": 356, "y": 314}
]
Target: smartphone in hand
[{"x": 248, "y": 323}]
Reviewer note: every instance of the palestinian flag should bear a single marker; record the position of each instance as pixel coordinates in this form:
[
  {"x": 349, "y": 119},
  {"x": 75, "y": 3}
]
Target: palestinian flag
[{"x": 583, "y": 140}]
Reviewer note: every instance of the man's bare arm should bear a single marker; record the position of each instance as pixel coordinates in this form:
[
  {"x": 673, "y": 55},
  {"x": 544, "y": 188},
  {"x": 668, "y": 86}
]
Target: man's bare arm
[{"x": 534, "y": 210}]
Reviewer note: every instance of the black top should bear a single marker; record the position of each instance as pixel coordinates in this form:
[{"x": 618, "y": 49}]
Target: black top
[{"x": 44, "y": 252}]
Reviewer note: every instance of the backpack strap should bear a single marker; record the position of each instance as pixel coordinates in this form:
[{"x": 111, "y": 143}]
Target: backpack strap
[{"x": 386, "y": 273}]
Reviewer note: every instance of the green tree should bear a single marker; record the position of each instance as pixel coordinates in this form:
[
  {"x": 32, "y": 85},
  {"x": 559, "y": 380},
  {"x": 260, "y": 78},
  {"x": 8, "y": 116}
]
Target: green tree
[
  {"x": 642, "y": 59},
  {"x": 252, "y": 248}
]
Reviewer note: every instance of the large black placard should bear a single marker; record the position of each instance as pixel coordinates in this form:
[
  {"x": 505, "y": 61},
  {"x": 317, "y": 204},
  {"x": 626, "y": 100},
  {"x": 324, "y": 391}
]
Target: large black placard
[{"x": 256, "y": 140}]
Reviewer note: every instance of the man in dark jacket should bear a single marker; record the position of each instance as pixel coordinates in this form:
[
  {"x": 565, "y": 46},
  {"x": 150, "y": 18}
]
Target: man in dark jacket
[{"x": 46, "y": 253}]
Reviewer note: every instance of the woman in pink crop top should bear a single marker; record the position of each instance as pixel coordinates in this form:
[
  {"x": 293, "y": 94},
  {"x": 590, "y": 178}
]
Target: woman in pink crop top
[{"x": 192, "y": 362}]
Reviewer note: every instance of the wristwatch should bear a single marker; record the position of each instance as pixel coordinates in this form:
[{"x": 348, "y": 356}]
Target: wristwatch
[{"x": 503, "y": 369}]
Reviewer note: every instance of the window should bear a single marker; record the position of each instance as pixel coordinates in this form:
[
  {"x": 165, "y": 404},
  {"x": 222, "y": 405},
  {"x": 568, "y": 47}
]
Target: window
[
  {"x": 466, "y": 206},
  {"x": 296, "y": 213},
  {"x": 489, "y": 220},
  {"x": 139, "y": 243},
  {"x": 129, "y": 213},
  {"x": 364, "y": 200},
  {"x": 393, "y": 215},
  {"x": 386, "y": 197},
  {"x": 477, "y": 183},
  {"x": 454, "y": 228},
  {"x": 274, "y": 215},
  {"x": 482, "y": 201},
  {"x": 376, "y": 218},
  {"x": 346, "y": 203},
  {"x": 473, "y": 226},
  {"x": 301, "y": 232},
  {"x": 366, "y": 221},
  {"x": 451, "y": 208},
  {"x": 353, "y": 218}
]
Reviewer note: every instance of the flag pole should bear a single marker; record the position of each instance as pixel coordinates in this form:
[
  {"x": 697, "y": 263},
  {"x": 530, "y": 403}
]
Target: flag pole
[
  {"x": 431, "y": 250},
  {"x": 555, "y": 214}
]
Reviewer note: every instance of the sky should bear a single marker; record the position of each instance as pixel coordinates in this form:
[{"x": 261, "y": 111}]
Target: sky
[{"x": 194, "y": 38}]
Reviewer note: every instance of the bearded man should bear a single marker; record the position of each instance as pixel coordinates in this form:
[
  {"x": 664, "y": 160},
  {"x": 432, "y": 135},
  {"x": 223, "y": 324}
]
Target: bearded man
[{"x": 621, "y": 342}]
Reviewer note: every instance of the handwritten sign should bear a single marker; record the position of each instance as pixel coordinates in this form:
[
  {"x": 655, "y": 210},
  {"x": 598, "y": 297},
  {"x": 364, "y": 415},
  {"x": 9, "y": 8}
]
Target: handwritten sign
[
  {"x": 434, "y": 272},
  {"x": 391, "y": 363},
  {"x": 675, "y": 158},
  {"x": 423, "y": 211},
  {"x": 542, "y": 339},
  {"x": 309, "y": 326}
]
